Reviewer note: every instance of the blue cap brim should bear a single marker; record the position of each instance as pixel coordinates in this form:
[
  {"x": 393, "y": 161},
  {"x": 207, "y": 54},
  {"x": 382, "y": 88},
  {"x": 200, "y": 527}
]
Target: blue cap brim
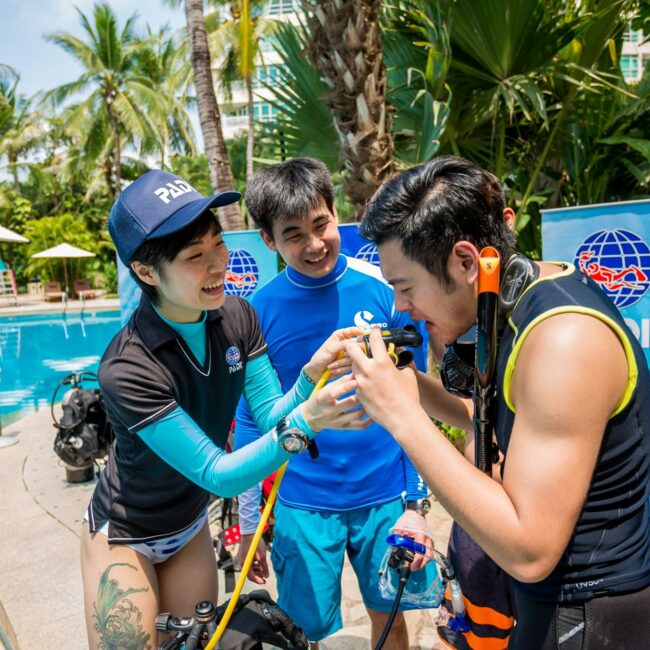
[{"x": 192, "y": 211}]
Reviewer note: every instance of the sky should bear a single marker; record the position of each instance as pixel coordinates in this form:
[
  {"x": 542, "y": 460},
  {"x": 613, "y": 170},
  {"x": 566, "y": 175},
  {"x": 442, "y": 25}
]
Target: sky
[{"x": 43, "y": 65}]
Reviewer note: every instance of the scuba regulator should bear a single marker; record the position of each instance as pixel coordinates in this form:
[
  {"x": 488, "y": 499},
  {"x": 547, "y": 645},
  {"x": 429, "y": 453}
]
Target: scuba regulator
[{"x": 396, "y": 340}]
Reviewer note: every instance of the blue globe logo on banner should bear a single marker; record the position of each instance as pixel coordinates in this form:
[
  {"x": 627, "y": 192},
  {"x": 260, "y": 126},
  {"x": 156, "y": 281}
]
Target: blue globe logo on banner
[
  {"x": 242, "y": 274},
  {"x": 368, "y": 253},
  {"x": 619, "y": 261}
]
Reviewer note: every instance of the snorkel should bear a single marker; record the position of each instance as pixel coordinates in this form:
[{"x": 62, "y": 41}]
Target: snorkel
[{"x": 484, "y": 396}]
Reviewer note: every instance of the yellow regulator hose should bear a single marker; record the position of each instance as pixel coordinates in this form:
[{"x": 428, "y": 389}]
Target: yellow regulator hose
[
  {"x": 265, "y": 516},
  {"x": 248, "y": 561},
  {"x": 256, "y": 540}
]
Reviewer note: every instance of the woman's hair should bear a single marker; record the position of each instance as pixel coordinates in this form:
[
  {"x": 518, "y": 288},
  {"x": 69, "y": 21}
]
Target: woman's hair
[
  {"x": 288, "y": 191},
  {"x": 431, "y": 206},
  {"x": 156, "y": 252}
]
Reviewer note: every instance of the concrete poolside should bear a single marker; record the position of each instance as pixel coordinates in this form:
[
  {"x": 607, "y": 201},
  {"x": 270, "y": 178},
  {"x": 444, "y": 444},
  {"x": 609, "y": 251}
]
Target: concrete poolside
[
  {"x": 41, "y": 600},
  {"x": 33, "y": 305}
]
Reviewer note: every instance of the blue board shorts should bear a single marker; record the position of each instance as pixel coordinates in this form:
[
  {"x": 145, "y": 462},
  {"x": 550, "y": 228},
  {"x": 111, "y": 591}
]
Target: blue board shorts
[{"x": 308, "y": 553}]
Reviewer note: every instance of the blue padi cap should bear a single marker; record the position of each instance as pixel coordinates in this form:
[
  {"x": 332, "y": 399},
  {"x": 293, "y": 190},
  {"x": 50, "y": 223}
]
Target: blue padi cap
[{"x": 157, "y": 204}]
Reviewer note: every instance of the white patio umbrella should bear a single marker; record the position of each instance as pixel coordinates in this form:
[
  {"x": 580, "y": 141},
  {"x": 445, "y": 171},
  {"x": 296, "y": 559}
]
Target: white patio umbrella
[
  {"x": 11, "y": 236},
  {"x": 64, "y": 251},
  {"x": 7, "y": 235}
]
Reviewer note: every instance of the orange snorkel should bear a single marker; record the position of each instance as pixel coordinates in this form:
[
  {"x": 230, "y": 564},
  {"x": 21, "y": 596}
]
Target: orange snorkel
[{"x": 486, "y": 353}]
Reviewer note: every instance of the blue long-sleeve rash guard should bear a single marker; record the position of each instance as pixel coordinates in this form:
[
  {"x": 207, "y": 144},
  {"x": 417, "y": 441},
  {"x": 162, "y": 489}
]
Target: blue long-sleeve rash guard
[
  {"x": 356, "y": 469},
  {"x": 178, "y": 440}
]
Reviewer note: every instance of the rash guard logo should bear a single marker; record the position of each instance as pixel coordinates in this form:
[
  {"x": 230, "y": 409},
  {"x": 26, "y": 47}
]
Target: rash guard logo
[
  {"x": 233, "y": 359},
  {"x": 363, "y": 319}
]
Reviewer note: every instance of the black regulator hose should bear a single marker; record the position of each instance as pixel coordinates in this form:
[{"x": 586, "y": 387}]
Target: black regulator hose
[{"x": 404, "y": 574}]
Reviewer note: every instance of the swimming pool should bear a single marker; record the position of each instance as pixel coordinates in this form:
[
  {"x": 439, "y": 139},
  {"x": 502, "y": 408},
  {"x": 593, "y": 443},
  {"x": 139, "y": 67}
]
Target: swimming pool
[{"x": 36, "y": 352}]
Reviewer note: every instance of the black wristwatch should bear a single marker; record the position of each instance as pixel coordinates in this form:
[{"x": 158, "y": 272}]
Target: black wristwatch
[
  {"x": 421, "y": 506},
  {"x": 291, "y": 439}
]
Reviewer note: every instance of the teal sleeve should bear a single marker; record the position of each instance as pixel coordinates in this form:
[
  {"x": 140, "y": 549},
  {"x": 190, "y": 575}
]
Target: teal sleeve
[
  {"x": 178, "y": 440},
  {"x": 264, "y": 396}
]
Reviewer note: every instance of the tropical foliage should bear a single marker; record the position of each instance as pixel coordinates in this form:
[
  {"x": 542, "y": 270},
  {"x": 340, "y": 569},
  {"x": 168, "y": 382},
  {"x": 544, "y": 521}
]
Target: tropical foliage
[
  {"x": 345, "y": 46},
  {"x": 115, "y": 93},
  {"x": 236, "y": 46},
  {"x": 531, "y": 89}
]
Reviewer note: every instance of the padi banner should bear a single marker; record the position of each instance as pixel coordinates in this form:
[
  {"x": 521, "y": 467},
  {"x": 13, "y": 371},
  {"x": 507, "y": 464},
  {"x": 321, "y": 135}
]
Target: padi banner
[
  {"x": 250, "y": 266},
  {"x": 609, "y": 243},
  {"x": 353, "y": 245}
]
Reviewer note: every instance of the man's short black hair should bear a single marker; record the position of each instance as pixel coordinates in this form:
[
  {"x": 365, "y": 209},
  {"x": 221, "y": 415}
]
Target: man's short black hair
[
  {"x": 431, "y": 206},
  {"x": 165, "y": 249},
  {"x": 288, "y": 191}
]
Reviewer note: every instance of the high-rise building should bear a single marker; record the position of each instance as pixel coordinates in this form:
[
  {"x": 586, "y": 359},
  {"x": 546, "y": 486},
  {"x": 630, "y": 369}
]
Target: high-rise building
[
  {"x": 635, "y": 56},
  {"x": 235, "y": 109}
]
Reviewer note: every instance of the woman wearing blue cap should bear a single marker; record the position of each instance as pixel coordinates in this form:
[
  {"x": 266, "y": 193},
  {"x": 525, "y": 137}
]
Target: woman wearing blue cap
[{"x": 171, "y": 379}]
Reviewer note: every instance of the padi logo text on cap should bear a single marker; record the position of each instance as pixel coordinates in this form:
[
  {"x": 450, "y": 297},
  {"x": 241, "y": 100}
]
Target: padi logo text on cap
[
  {"x": 173, "y": 190},
  {"x": 155, "y": 205}
]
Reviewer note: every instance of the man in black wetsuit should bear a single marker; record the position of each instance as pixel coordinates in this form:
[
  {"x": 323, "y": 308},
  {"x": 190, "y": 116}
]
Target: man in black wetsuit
[{"x": 569, "y": 523}]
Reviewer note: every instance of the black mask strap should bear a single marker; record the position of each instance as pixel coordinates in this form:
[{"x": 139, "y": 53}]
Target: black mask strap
[
  {"x": 518, "y": 274},
  {"x": 457, "y": 366}
]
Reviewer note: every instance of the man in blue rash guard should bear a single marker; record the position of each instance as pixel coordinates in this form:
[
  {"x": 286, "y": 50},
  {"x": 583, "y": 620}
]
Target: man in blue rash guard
[
  {"x": 171, "y": 379},
  {"x": 350, "y": 496}
]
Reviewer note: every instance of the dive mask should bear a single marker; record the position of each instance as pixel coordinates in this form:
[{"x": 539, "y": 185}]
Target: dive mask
[{"x": 425, "y": 587}]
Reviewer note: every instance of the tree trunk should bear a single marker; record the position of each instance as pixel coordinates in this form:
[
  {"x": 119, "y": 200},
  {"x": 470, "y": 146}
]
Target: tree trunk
[
  {"x": 250, "y": 136},
  {"x": 13, "y": 164},
  {"x": 346, "y": 49},
  {"x": 115, "y": 176},
  {"x": 221, "y": 176},
  {"x": 117, "y": 165}
]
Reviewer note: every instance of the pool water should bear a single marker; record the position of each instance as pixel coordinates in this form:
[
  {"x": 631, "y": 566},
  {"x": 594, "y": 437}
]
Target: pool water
[{"x": 37, "y": 352}]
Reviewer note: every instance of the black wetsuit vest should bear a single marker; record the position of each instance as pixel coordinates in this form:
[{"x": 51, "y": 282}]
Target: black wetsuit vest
[{"x": 609, "y": 551}]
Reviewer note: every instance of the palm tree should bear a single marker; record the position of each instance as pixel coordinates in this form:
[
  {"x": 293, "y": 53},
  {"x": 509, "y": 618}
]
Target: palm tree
[
  {"x": 164, "y": 62},
  {"x": 20, "y": 129},
  {"x": 235, "y": 45},
  {"x": 303, "y": 125},
  {"x": 346, "y": 48},
  {"x": 114, "y": 109},
  {"x": 209, "y": 115}
]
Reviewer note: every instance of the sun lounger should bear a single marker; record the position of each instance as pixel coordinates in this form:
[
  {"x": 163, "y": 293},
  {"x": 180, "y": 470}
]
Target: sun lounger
[
  {"x": 52, "y": 291},
  {"x": 83, "y": 290}
]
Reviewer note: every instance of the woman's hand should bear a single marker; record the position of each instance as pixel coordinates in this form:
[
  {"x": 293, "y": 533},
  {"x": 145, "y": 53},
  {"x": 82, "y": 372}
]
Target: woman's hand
[
  {"x": 388, "y": 395},
  {"x": 328, "y": 409},
  {"x": 331, "y": 355}
]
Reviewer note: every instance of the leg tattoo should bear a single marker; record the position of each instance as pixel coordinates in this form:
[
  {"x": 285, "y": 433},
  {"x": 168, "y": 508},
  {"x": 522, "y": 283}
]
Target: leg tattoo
[{"x": 118, "y": 620}]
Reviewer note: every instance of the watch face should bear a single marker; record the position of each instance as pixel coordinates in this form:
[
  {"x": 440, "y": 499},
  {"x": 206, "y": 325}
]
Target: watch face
[
  {"x": 425, "y": 506},
  {"x": 293, "y": 442}
]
